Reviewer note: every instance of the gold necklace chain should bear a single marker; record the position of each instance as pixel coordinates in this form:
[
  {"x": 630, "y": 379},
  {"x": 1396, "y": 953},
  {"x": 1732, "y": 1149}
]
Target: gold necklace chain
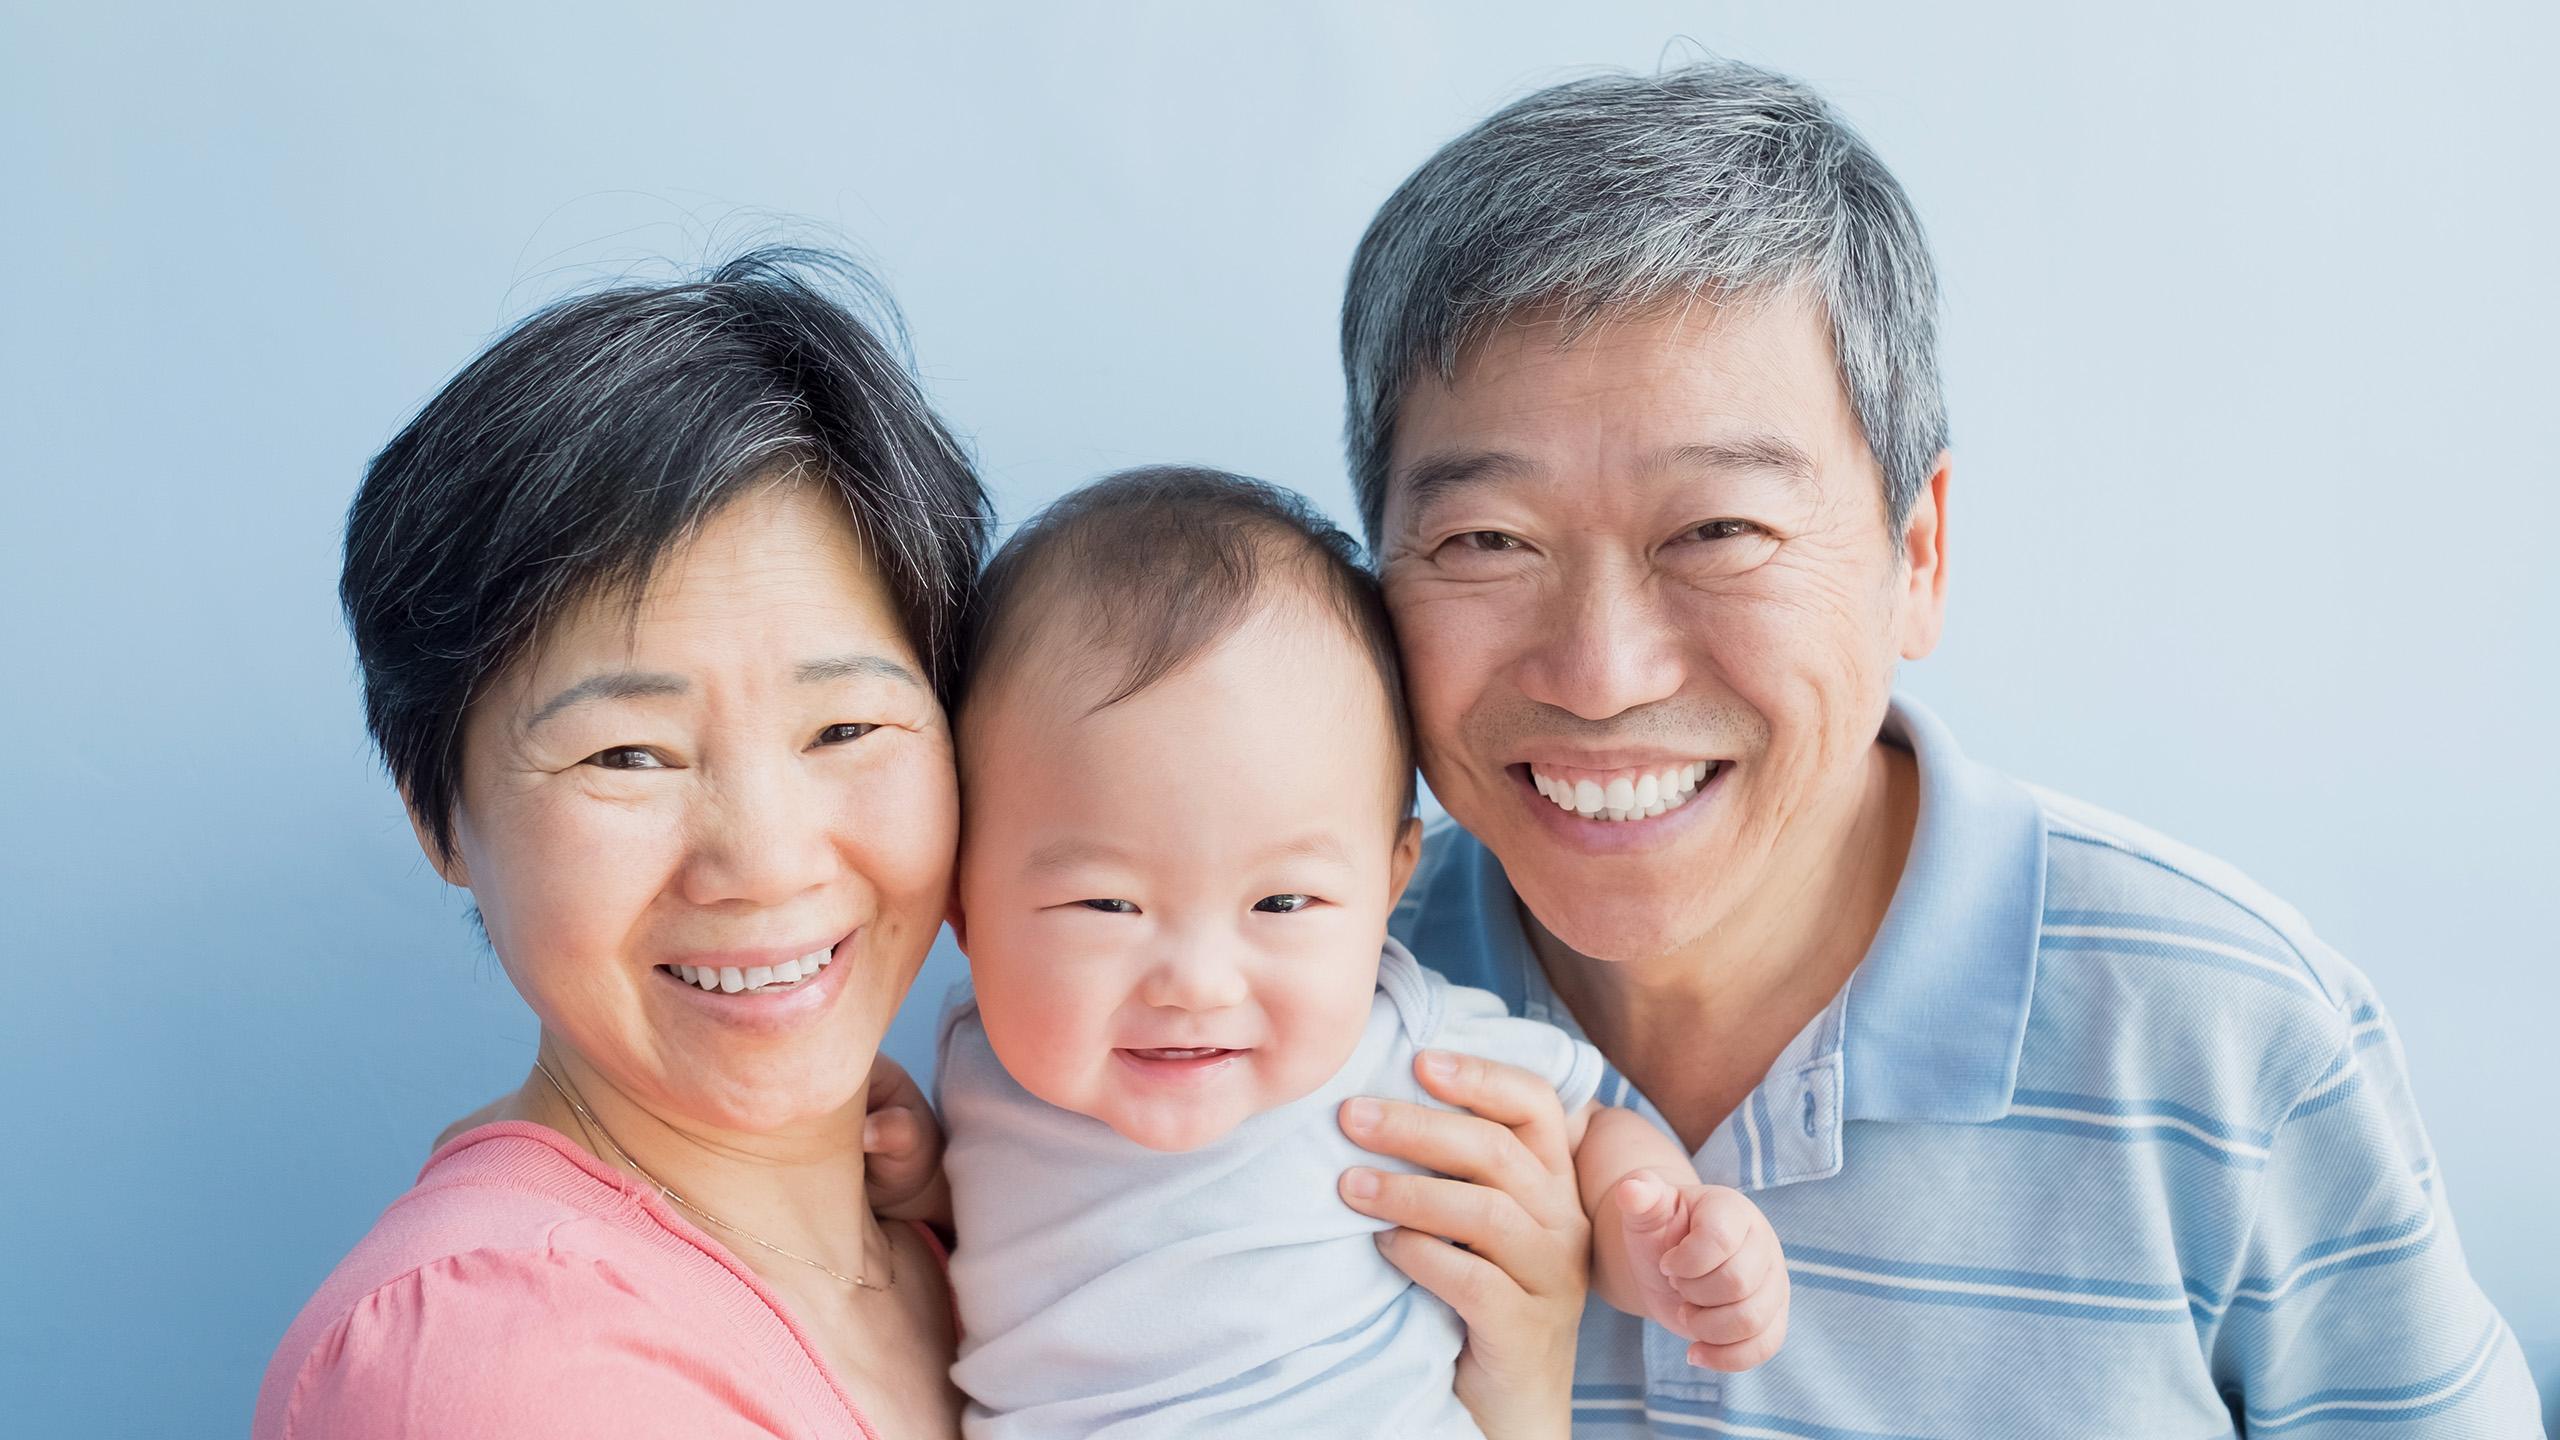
[{"x": 588, "y": 1116}]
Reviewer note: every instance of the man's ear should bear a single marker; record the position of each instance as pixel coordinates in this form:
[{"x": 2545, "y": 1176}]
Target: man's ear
[
  {"x": 1924, "y": 563},
  {"x": 450, "y": 867},
  {"x": 1408, "y": 853}
]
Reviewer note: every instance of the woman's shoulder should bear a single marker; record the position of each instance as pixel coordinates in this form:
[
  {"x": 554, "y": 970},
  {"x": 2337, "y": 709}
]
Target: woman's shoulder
[{"x": 517, "y": 1288}]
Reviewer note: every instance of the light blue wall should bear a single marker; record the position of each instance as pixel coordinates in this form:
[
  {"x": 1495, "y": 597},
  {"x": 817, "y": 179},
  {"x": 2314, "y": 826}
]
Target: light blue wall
[{"x": 2251, "y": 362}]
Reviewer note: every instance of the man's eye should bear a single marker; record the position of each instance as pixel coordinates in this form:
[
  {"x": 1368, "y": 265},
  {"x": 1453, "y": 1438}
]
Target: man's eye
[
  {"x": 1725, "y": 530},
  {"x": 626, "y": 757},
  {"x": 1493, "y": 540},
  {"x": 1283, "y": 904},
  {"x": 844, "y": 734},
  {"x": 1110, "y": 907}
]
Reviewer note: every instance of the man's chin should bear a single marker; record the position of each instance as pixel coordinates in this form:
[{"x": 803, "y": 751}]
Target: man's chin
[{"x": 1629, "y": 931}]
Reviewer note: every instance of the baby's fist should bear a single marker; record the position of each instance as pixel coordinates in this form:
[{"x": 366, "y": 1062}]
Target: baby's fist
[{"x": 1709, "y": 1267}]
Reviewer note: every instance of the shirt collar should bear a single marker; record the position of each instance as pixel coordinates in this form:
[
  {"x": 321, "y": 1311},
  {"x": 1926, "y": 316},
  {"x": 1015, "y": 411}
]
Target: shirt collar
[{"x": 1937, "y": 1012}]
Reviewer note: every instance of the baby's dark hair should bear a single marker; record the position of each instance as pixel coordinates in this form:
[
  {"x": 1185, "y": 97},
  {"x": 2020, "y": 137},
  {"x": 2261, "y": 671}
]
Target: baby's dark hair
[{"x": 1163, "y": 563}]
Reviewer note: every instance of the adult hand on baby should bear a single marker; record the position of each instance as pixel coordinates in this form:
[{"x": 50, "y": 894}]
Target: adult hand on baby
[
  {"x": 1518, "y": 1269},
  {"x": 902, "y": 1149},
  {"x": 1709, "y": 1269}
]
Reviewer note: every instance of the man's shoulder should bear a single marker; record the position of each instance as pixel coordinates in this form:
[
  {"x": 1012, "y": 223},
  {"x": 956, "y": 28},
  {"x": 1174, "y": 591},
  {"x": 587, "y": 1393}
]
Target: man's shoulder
[{"x": 2149, "y": 946}]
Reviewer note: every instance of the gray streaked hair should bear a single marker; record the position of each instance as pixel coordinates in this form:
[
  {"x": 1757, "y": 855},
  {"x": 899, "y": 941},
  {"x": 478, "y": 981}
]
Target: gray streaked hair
[{"x": 1717, "y": 180}]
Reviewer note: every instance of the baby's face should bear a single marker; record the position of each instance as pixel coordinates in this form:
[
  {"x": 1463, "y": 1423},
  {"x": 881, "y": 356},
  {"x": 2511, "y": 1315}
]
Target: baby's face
[{"x": 1173, "y": 907}]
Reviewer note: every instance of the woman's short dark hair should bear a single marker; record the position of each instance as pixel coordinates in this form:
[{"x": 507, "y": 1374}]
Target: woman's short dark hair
[{"x": 597, "y": 436}]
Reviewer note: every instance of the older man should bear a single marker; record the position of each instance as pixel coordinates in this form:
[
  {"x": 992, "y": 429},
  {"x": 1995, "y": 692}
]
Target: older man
[{"x": 2068, "y": 1129}]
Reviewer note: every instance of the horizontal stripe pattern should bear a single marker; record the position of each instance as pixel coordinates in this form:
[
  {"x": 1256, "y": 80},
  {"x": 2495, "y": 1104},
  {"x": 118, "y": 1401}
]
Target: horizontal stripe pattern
[{"x": 2204, "y": 1156}]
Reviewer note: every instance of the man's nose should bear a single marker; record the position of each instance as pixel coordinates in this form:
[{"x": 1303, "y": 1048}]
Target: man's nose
[
  {"x": 1605, "y": 646},
  {"x": 762, "y": 835}
]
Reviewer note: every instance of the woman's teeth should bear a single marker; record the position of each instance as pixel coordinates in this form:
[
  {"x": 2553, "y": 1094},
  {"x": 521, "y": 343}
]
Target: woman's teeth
[
  {"x": 736, "y": 980},
  {"x": 1634, "y": 795}
]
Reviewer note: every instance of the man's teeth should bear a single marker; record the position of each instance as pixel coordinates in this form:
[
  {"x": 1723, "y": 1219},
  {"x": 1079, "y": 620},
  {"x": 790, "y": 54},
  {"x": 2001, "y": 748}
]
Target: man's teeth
[
  {"x": 1640, "y": 795},
  {"x": 734, "y": 980}
]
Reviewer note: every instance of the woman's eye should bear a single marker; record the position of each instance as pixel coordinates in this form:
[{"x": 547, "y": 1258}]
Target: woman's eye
[
  {"x": 844, "y": 734},
  {"x": 1283, "y": 904},
  {"x": 1110, "y": 907},
  {"x": 626, "y": 757}
]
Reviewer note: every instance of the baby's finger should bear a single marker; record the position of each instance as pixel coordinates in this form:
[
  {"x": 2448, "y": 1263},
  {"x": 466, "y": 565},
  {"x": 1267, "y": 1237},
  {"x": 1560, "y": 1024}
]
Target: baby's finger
[
  {"x": 891, "y": 1132},
  {"x": 1735, "y": 1323},
  {"x": 1720, "y": 1223},
  {"x": 1747, "y": 1272},
  {"x": 1747, "y": 1355}
]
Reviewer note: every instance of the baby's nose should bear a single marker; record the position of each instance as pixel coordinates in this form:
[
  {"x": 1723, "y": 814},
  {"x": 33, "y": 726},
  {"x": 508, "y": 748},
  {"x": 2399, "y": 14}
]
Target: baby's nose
[{"x": 1196, "y": 977}]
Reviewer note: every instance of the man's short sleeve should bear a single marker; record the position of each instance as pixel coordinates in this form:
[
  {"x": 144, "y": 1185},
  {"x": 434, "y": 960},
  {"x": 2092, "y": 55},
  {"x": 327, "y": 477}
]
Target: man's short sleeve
[{"x": 2351, "y": 1305}]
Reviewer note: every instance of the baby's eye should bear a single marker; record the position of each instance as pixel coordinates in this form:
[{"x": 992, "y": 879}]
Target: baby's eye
[
  {"x": 1283, "y": 904},
  {"x": 625, "y": 757},
  {"x": 1110, "y": 907}
]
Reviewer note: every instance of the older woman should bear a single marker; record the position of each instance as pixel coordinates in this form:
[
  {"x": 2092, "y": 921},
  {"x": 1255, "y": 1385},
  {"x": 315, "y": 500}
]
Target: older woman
[{"x": 654, "y": 604}]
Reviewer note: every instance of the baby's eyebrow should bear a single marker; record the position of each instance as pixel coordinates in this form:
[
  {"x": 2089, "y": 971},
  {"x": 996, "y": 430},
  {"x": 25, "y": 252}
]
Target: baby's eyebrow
[
  {"x": 1314, "y": 845},
  {"x": 1072, "y": 851}
]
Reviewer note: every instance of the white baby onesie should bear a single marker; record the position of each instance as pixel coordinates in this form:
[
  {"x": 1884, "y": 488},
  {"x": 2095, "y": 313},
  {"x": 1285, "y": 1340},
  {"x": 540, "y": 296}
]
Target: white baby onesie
[{"x": 1106, "y": 1289}]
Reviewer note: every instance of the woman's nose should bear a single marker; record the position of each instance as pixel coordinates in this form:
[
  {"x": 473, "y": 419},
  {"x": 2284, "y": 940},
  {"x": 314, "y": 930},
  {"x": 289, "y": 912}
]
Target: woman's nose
[{"x": 763, "y": 835}]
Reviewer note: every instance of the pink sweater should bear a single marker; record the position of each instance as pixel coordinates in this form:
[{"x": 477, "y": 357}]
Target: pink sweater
[{"x": 524, "y": 1289}]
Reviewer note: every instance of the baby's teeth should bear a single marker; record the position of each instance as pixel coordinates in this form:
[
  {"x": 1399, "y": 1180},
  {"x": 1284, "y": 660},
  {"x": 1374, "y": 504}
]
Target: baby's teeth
[{"x": 732, "y": 979}]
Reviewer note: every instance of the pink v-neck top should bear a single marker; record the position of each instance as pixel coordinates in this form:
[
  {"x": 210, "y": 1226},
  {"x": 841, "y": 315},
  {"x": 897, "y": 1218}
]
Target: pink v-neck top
[{"x": 524, "y": 1289}]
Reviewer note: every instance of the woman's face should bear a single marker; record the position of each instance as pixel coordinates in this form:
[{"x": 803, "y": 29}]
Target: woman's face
[{"x": 744, "y": 777}]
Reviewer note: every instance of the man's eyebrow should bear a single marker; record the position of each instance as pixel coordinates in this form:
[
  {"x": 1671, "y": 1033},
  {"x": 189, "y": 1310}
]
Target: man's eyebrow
[
  {"x": 1779, "y": 456},
  {"x": 617, "y": 685},
  {"x": 846, "y": 667},
  {"x": 1436, "y": 477}
]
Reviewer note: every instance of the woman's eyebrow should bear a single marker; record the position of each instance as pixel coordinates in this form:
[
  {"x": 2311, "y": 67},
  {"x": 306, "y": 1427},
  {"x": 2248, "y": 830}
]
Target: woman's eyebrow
[
  {"x": 845, "y": 667},
  {"x": 618, "y": 685}
]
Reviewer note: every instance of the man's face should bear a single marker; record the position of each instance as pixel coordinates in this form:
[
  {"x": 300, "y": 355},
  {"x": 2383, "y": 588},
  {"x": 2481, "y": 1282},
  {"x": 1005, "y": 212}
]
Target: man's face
[{"x": 1650, "y": 609}]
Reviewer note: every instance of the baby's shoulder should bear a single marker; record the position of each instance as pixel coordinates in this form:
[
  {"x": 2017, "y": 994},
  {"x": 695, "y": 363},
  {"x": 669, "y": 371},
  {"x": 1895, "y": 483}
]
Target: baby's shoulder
[{"x": 1439, "y": 1014}]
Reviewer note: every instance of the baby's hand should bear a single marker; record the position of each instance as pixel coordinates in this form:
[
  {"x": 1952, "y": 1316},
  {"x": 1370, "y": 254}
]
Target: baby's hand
[
  {"x": 1709, "y": 1268},
  {"x": 902, "y": 1147}
]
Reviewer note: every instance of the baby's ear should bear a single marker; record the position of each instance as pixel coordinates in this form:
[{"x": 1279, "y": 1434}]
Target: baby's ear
[{"x": 1408, "y": 853}]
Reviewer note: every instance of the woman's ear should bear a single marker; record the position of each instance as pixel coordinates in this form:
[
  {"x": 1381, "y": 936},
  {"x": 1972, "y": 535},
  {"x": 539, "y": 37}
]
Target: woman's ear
[
  {"x": 447, "y": 865},
  {"x": 1408, "y": 853}
]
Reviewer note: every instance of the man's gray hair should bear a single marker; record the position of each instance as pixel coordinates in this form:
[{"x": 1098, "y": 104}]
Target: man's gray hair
[{"x": 1718, "y": 180}]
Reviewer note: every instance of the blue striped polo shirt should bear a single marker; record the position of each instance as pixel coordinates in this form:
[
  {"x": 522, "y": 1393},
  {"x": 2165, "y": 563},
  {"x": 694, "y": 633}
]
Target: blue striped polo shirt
[{"x": 2099, "y": 1139}]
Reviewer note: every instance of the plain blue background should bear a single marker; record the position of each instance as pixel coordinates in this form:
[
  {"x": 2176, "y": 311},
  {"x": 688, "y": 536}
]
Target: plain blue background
[{"x": 2249, "y": 354}]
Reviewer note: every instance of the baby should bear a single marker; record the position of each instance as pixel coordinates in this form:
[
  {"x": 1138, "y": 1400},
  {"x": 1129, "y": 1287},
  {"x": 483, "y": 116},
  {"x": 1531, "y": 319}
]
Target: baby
[{"x": 1188, "y": 782}]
